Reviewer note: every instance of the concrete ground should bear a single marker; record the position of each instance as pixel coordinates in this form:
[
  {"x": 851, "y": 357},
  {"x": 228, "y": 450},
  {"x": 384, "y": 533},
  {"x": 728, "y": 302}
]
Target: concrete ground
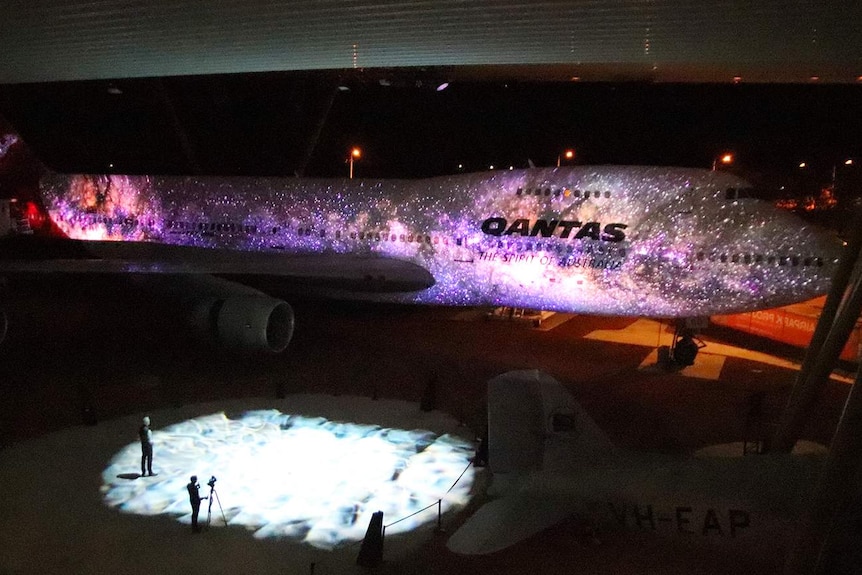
[{"x": 81, "y": 357}]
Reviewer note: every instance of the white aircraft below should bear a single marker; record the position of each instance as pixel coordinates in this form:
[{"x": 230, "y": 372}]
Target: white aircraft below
[
  {"x": 550, "y": 462},
  {"x": 610, "y": 240}
]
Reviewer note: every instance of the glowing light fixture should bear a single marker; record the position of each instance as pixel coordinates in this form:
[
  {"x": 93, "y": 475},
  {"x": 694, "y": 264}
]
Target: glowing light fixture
[
  {"x": 355, "y": 154},
  {"x": 568, "y": 155},
  {"x": 442, "y": 86},
  {"x": 303, "y": 478},
  {"x": 803, "y": 165},
  {"x": 726, "y": 159},
  {"x": 6, "y": 143}
]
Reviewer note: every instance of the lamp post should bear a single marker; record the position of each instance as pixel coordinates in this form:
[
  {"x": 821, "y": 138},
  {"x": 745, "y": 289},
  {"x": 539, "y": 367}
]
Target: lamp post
[
  {"x": 568, "y": 155},
  {"x": 847, "y": 162},
  {"x": 726, "y": 159},
  {"x": 355, "y": 153}
]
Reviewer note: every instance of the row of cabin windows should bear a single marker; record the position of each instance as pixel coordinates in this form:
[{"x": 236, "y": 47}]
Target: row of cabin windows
[
  {"x": 521, "y": 246},
  {"x": 730, "y": 193},
  {"x": 369, "y": 236},
  {"x": 793, "y": 261},
  {"x": 560, "y": 192},
  {"x": 388, "y": 237},
  {"x": 747, "y": 259}
]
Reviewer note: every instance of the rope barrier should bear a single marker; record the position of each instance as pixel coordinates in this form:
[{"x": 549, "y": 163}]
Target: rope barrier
[
  {"x": 436, "y": 502},
  {"x": 426, "y": 508}
]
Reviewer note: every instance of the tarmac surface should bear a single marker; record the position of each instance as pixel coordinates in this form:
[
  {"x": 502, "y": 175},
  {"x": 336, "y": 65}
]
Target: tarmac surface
[{"x": 86, "y": 353}]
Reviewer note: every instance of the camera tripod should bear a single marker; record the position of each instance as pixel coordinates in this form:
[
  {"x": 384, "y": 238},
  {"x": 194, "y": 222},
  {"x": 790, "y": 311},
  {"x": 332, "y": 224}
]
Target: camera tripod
[{"x": 214, "y": 495}]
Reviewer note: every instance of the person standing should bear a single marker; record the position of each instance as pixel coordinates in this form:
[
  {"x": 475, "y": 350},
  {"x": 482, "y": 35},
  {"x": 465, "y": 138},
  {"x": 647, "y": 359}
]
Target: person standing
[
  {"x": 146, "y": 436},
  {"x": 195, "y": 500}
]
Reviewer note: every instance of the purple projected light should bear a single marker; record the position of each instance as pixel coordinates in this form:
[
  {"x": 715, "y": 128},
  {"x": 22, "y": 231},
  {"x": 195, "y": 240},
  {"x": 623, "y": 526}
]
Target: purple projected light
[
  {"x": 6, "y": 143},
  {"x": 605, "y": 240}
]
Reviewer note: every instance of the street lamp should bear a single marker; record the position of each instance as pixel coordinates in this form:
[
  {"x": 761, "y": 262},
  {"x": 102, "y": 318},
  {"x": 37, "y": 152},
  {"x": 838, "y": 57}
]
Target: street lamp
[
  {"x": 568, "y": 155},
  {"x": 847, "y": 162},
  {"x": 726, "y": 159},
  {"x": 355, "y": 153}
]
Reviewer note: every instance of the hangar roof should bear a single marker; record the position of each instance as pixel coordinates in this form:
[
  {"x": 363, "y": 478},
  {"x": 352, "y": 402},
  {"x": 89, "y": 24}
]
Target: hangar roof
[{"x": 653, "y": 40}]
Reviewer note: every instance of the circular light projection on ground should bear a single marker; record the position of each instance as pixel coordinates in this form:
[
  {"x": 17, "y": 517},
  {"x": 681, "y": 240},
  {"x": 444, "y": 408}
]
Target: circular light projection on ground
[{"x": 306, "y": 478}]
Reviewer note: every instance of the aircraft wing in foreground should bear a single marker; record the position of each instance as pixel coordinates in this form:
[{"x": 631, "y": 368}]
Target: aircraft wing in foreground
[{"x": 550, "y": 462}]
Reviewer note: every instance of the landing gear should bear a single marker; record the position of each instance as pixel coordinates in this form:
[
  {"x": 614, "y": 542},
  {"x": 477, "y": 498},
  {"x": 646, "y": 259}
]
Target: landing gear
[{"x": 684, "y": 348}]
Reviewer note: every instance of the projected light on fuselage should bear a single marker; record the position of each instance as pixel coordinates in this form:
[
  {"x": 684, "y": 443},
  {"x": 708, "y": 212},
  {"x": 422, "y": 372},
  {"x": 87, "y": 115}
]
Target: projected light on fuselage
[
  {"x": 6, "y": 143},
  {"x": 305, "y": 478},
  {"x": 520, "y": 238}
]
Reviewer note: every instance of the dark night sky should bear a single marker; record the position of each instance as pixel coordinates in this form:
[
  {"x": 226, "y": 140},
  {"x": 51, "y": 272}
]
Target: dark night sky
[
  {"x": 621, "y": 124},
  {"x": 265, "y": 124}
]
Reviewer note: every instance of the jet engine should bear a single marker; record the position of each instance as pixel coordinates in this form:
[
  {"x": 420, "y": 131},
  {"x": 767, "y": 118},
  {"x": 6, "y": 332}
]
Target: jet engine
[
  {"x": 226, "y": 313},
  {"x": 245, "y": 323}
]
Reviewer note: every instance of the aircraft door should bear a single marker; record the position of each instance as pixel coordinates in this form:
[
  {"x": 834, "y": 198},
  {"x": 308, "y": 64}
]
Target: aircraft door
[
  {"x": 461, "y": 251},
  {"x": 684, "y": 211}
]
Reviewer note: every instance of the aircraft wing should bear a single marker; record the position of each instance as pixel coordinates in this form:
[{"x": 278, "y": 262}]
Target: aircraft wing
[
  {"x": 336, "y": 271},
  {"x": 506, "y": 521}
]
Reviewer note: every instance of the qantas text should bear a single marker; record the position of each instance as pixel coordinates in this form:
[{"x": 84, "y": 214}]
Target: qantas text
[{"x": 498, "y": 226}]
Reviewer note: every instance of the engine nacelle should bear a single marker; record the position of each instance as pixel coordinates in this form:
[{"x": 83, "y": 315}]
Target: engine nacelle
[{"x": 247, "y": 323}]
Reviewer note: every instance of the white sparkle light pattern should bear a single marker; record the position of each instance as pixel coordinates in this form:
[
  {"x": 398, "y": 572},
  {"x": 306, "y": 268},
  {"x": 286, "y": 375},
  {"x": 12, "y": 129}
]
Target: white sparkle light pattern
[
  {"x": 304, "y": 478},
  {"x": 612, "y": 240}
]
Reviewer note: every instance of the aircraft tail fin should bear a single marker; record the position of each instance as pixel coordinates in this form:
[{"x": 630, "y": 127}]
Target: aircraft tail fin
[
  {"x": 535, "y": 424},
  {"x": 21, "y": 207},
  {"x": 17, "y": 160}
]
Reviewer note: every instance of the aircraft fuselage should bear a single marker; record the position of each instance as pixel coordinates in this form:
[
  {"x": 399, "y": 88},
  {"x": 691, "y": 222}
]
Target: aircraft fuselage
[{"x": 638, "y": 241}]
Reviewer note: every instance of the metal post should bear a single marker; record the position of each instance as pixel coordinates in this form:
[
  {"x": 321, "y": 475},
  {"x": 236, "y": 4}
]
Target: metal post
[
  {"x": 834, "y": 491},
  {"x": 820, "y": 357}
]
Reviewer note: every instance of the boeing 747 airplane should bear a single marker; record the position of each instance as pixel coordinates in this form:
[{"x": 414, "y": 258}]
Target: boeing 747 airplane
[{"x": 611, "y": 240}]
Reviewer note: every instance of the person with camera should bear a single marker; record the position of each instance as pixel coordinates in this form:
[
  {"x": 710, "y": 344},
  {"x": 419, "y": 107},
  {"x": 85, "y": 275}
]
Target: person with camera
[{"x": 195, "y": 500}]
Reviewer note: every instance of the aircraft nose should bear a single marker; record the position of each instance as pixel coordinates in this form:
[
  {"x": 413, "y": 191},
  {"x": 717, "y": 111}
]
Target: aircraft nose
[
  {"x": 806, "y": 256},
  {"x": 826, "y": 249}
]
